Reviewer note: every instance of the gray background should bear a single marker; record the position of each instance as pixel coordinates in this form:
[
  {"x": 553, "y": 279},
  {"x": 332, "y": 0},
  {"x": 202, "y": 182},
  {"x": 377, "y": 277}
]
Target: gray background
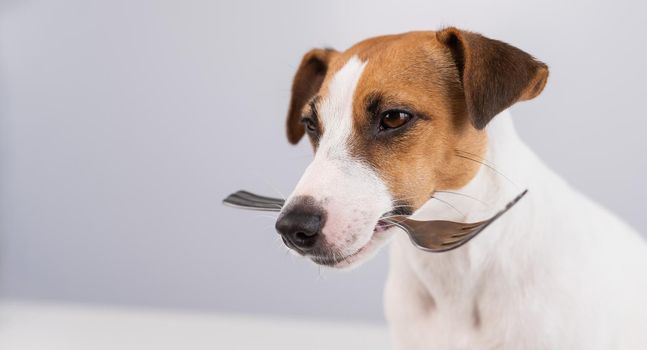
[{"x": 124, "y": 123}]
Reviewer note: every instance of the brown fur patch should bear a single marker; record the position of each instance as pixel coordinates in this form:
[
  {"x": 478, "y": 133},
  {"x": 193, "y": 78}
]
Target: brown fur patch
[
  {"x": 495, "y": 75},
  {"x": 307, "y": 82},
  {"x": 414, "y": 72},
  {"x": 451, "y": 82}
]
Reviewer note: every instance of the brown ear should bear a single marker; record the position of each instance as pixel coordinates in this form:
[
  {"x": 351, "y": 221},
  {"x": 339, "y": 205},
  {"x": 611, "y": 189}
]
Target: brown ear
[
  {"x": 306, "y": 84},
  {"x": 494, "y": 74}
]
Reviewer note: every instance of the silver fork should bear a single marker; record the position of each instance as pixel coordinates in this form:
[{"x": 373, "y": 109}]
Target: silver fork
[{"x": 431, "y": 235}]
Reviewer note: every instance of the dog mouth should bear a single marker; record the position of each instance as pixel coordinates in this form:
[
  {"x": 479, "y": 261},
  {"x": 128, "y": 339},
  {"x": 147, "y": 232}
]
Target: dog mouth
[
  {"x": 387, "y": 220},
  {"x": 381, "y": 226},
  {"x": 339, "y": 261}
]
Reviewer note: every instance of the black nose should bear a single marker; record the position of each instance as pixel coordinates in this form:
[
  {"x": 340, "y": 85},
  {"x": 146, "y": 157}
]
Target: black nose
[{"x": 300, "y": 225}]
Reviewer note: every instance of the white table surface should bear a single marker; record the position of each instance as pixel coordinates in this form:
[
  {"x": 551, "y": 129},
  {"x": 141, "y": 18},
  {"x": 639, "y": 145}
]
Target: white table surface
[{"x": 44, "y": 326}]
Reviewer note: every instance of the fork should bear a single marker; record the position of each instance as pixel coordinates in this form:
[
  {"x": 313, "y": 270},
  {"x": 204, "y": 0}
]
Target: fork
[{"x": 430, "y": 235}]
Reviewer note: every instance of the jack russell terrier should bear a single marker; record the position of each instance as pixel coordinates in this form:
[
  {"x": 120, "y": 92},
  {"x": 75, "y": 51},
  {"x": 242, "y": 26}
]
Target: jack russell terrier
[{"x": 405, "y": 124}]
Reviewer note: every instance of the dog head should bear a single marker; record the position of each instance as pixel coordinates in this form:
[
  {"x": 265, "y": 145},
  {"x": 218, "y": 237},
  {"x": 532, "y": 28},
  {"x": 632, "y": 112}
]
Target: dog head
[{"x": 385, "y": 119}]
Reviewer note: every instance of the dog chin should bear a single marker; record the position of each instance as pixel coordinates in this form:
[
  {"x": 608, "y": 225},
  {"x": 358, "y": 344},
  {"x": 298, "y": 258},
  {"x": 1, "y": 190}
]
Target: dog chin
[{"x": 379, "y": 238}]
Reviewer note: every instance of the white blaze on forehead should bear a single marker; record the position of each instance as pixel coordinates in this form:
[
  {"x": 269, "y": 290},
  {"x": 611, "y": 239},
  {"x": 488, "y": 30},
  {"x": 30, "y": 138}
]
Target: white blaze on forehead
[
  {"x": 336, "y": 109},
  {"x": 351, "y": 192}
]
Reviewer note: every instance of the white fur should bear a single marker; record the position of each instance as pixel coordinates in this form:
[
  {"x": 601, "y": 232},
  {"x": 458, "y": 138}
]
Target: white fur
[
  {"x": 339, "y": 181},
  {"x": 555, "y": 272}
]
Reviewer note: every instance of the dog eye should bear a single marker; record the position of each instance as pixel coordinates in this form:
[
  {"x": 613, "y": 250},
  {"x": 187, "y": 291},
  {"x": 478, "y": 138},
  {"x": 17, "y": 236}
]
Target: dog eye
[
  {"x": 310, "y": 124},
  {"x": 394, "y": 119}
]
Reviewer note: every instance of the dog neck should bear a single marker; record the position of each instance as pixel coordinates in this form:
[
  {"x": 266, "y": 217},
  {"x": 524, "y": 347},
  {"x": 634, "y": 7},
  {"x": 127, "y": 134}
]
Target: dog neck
[{"x": 508, "y": 168}]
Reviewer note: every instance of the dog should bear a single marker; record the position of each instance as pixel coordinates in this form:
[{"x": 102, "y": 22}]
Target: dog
[{"x": 418, "y": 124}]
